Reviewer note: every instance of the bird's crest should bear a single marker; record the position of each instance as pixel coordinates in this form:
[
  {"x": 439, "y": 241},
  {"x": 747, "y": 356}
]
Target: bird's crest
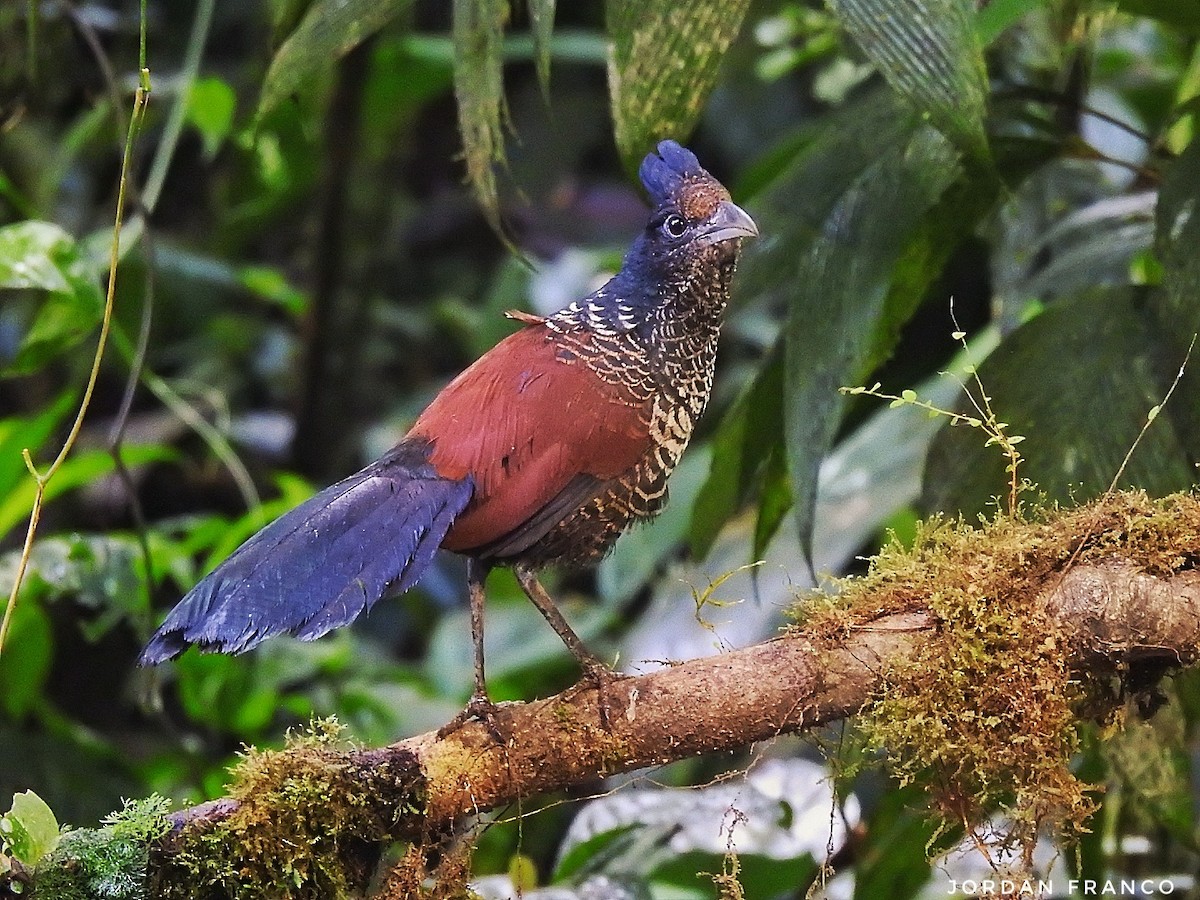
[{"x": 672, "y": 174}]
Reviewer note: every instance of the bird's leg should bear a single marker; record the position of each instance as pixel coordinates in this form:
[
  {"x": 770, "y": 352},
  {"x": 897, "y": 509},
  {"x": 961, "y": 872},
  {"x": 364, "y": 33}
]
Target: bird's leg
[
  {"x": 480, "y": 706},
  {"x": 477, "y": 574},
  {"x": 594, "y": 669}
]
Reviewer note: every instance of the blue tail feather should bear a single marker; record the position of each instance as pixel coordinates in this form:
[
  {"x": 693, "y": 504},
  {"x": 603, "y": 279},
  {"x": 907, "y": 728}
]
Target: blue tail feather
[{"x": 323, "y": 564}]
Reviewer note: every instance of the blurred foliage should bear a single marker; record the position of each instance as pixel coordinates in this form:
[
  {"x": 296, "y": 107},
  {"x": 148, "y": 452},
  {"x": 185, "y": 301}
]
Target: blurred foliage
[{"x": 316, "y": 248}]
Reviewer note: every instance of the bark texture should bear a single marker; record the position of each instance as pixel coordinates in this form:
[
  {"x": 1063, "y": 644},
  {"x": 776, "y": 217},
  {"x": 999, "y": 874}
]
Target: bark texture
[{"x": 1119, "y": 607}]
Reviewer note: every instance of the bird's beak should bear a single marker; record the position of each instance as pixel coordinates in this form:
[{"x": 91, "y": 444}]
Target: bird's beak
[{"x": 728, "y": 222}]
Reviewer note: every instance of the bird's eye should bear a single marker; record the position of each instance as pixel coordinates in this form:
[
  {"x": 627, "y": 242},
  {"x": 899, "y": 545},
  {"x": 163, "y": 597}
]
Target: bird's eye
[{"x": 674, "y": 226}]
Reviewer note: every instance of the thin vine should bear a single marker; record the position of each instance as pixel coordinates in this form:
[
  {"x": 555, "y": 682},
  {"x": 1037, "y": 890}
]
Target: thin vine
[
  {"x": 140, "y": 99},
  {"x": 985, "y": 418}
]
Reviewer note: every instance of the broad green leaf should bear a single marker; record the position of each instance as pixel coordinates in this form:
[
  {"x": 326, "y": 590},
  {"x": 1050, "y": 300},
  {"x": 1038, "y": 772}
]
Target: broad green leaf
[
  {"x": 520, "y": 647},
  {"x": 1177, "y": 237},
  {"x": 835, "y": 227},
  {"x": 28, "y": 653},
  {"x": 760, "y": 876},
  {"x": 285, "y": 14},
  {"x": 41, "y": 256},
  {"x": 293, "y": 491},
  {"x": 271, "y": 284},
  {"x": 591, "y": 853},
  {"x": 228, "y": 694},
  {"x": 1176, "y": 306},
  {"x": 20, "y": 433},
  {"x": 744, "y": 440},
  {"x": 1077, "y": 382},
  {"x": 994, "y": 18},
  {"x": 897, "y": 867},
  {"x": 29, "y": 828},
  {"x": 788, "y": 801},
  {"x": 31, "y": 256},
  {"x": 479, "y": 89},
  {"x": 541, "y": 23},
  {"x": 928, "y": 51},
  {"x": 1181, "y": 14},
  {"x": 522, "y": 872},
  {"x": 329, "y": 30},
  {"x": 77, "y": 471},
  {"x": 664, "y": 62},
  {"x": 210, "y": 110},
  {"x": 775, "y": 502},
  {"x": 406, "y": 73},
  {"x": 938, "y": 234},
  {"x": 102, "y": 573},
  {"x": 839, "y": 307}
]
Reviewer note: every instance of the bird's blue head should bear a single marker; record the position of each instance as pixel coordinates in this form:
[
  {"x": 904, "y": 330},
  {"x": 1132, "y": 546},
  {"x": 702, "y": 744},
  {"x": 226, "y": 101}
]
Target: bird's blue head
[
  {"x": 664, "y": 171},
  {"x": 693, "y": 222}
]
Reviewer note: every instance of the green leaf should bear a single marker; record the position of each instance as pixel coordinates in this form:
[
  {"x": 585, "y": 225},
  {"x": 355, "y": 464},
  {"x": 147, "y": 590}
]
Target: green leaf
[
  {"x": 29, "y": 828},
  {"x": 41, "y": 256},
  {"x": 77, "y": 471},
  {"x": 664, "y": 62},
  {"x": 103, "y": 574},
  {"x": 775, "y": 503},
  {"x": 581, "y": 858},
  {"x": 541, "y": 23},
  {"x": 227, "y": 694},
  {"x": 929, "y": 53},
  {"x": 406, "y": 73},
  {"x": 1175, "y": 307},
  {"x": 28, "y": 654},
  {"x": 744, "y": 440},
  {"x": 210, "y": 110},
  {"x": 1177, "y": 236},
  {"x": 897, "y": 866},
  {"x": 522, "y": 872},
  {"x": 1182, "y": 14},
  {"x": 293, "y": 490},
  {"x": 285, "y": 14},
  {"x": 31, "y": 256},
  {"x": 20, "y": 433},
  {"x": 838, "y": 225},
  {"x": 479, "y": 89},
  {"x": 994, "y": 18},
  {"x": 1077, "y": 383},
  {"x": 272, "y": 285},
  {"x": 329, "y": 30},
  {"x": 760, "y": 876}
]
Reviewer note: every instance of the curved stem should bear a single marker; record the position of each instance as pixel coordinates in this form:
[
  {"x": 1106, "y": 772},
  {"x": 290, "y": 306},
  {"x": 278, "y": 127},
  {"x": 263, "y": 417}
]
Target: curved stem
[
  {"x": 174, "y": 126},
  {"x": 42, "y": 478}
]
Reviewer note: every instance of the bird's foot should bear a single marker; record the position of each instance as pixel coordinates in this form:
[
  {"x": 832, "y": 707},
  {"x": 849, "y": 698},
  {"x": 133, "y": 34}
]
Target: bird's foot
[
  {"x": 602, "y": 677},
  {"x": 481, "y": 709}
]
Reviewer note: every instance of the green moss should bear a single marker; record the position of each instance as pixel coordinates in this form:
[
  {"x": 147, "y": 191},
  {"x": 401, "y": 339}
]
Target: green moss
[
  {"x": 307, "y": 825},
  {"x": 412, "y": 879},
  {"x": 985, "y": 712},
  {"x": 108, "y": 862}
]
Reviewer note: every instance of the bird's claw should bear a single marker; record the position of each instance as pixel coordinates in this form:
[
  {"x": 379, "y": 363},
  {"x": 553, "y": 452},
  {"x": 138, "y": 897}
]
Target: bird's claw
[
  {"x": 481, "y": 709},
  {"x": 602, "y": 677}
]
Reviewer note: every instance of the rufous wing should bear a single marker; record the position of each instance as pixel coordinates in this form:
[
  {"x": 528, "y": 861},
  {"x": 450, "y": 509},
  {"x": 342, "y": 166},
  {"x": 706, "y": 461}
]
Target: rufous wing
[{"x": 527, "y": 421}]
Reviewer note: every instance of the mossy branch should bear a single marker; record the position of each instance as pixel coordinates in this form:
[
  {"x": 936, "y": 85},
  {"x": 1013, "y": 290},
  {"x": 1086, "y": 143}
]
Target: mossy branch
[{"x": 1108, "y": 595}]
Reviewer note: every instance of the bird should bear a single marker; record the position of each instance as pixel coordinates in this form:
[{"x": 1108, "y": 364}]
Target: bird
[{"x": 541, "y": 453}]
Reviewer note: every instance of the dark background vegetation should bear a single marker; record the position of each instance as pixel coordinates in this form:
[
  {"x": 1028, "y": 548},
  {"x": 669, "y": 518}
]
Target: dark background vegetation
[{"x": 309, "y": 264}]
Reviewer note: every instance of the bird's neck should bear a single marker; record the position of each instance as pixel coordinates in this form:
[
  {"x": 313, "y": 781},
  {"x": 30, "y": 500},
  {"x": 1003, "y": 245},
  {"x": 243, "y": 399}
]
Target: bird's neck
[{"x": 677, "y": 304}]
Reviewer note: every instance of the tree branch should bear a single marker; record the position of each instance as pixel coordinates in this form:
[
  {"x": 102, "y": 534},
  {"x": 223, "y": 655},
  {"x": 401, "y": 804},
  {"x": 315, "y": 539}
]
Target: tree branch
[{"x": 1120, "y": 603}]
